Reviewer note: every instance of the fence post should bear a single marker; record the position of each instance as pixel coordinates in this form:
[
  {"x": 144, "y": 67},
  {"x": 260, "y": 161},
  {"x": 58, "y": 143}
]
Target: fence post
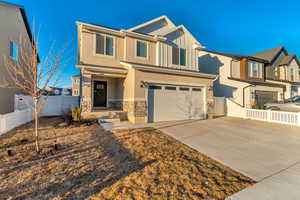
[{"x": 268, "y": 115}]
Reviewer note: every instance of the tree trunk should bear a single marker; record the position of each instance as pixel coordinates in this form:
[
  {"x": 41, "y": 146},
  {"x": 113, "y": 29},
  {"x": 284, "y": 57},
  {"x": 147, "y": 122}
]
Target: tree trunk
[{"x": 36, "y": 125}]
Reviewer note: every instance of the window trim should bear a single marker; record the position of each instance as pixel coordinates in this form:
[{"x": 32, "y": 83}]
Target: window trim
[
  {"x": 135, "y": 49},
  {"x": 95, "y": 45},
  {"x": 179, "y": 56}
]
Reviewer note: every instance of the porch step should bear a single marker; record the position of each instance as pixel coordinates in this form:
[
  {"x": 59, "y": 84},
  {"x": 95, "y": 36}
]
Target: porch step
[
  {"x": 109, "y": 120},
  {"x": 113, "y": 117}
]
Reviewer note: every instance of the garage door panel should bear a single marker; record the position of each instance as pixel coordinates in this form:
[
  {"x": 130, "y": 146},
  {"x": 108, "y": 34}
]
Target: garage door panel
[
  {"x": 263, "y": 97},
  {"x": 166, "y": 105}
]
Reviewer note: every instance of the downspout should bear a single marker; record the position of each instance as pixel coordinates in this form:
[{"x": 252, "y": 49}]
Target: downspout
[{"x": 244, "y": 93}]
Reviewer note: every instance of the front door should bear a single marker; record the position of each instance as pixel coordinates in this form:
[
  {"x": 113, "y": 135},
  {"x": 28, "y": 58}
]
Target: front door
[{"x": 100, "y": 93}]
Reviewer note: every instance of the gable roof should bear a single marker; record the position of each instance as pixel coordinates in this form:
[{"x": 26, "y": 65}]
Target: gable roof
[
  {"x": 286, "y": 60},
  {"x": 25, "y": 19},
  {"x": 169, "y": 28},
  {"x": 182, "y": 27},
  {"x": 236, "y": 56},
  {"x": 163, "y": 17},
  {"x": 269, "y": 54}
]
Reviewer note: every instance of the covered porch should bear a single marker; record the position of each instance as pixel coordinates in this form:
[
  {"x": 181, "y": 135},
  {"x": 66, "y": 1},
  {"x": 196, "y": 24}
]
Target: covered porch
[{"x": 102, "y": 89}]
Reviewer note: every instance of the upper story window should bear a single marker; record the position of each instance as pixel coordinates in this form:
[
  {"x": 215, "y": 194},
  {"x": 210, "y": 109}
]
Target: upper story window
[
  {"x": 104, "y": 45},
  {"x": 255, "y": 69},
  {"x": 141, "y": 49},
  {"x": 14, "y": 50},
  {"x": 292, "y": 74},
  {"x": 178, "y": 56}
]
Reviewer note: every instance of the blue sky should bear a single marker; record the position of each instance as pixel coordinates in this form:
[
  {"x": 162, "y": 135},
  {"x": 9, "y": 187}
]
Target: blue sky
[{"x": 232, "y": 26}]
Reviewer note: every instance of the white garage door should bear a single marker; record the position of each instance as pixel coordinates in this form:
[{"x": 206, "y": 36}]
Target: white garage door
[{"x": 168, "y": 102}]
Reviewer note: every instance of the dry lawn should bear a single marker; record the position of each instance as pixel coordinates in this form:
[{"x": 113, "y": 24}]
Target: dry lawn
[{"x": 93, "y": 164}]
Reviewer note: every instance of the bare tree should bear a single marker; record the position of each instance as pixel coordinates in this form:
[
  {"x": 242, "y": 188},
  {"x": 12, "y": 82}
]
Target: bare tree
[{"x": 32, "y": 76}]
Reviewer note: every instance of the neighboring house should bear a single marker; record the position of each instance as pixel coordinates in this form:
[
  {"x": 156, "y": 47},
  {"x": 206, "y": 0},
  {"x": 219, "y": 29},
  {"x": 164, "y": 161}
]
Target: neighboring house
[
  {"x": 13, "y": 26},
  {"x": 76, "y": 85},
  {"x": 55, "y": 91},
  {"x": 255, "y": 79},
  {"x": 150, "y": 71},
  {"x": 282, "y": 68}
]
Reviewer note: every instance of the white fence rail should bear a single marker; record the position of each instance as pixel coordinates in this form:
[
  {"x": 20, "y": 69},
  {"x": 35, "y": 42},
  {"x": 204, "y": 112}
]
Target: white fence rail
[
  {"x": 53, "y": 105},
  {"x": 235, "y": 110},
  {"x": 15, "y": 119}
]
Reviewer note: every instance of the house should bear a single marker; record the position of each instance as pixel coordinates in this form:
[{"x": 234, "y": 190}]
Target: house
[
  {"x": 252, "y": 80},
  {"x": 149, "y": 71},
  {"x": 282, "y": 68},
  {"x": 14, "y": 25},
  {"x": 56, "y": 91},
  {"x": 76, "y": 85}
]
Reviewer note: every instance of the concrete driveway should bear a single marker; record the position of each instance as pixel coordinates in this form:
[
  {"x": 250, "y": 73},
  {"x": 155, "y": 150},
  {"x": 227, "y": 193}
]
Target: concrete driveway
[{"x": 267, "y": 152}]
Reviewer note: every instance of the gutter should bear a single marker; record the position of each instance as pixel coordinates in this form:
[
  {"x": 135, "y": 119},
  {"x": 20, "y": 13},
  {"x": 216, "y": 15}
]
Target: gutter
[{"x": 244, "y": 93}]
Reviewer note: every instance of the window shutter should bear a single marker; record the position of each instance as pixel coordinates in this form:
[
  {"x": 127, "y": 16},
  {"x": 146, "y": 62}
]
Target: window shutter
[
  {"x": 99, "y": 44},
  {"x": 175, "y": 56}
]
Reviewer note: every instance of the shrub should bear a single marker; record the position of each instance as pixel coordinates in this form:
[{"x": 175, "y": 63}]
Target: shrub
[
  {"x": 255, "y": 106},
  {"x": 76, "y": 114},
  {"x": 67, "y": 117}
]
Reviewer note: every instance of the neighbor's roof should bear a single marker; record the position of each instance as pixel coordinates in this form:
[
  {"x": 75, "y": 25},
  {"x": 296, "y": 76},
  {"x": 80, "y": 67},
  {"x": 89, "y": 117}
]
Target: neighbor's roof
[
  {"x": 23, "y": 13},
  {"x": 75, "y": 76},
  {"x": 236, "y": 56},
  {"x": 269, "y": 54},
  {"x": 286, "y": 59}
]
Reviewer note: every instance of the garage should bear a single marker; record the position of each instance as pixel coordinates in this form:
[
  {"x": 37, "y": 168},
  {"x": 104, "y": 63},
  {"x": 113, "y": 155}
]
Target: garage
[
  {"x": 174, "y": 102},
  {"x": 262, "y": 97}
]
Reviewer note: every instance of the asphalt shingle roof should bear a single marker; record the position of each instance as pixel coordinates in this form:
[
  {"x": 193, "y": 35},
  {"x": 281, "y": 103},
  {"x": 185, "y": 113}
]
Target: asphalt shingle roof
[
  {"x": 286, "y": 60},
  {"x": 268, "y": 54}
]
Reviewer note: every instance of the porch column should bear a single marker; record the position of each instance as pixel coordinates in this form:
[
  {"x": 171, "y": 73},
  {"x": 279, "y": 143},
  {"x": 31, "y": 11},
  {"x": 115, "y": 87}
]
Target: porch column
[{"x": 86, "y": 101}]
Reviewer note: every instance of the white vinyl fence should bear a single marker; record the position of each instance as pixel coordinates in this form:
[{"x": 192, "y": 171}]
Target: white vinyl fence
[
  {"x": 219, "y": 106},
  {"x": 15, "y": 119},
  {"x": 235, "y": 110},
  {"x": 53, "y": 106}
]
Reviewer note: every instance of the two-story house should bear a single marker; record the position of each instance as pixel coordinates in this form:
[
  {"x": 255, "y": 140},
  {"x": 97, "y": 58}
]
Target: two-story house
[
  {"x": 13, "y": 26},
  {"x": 251, "y": 80},
  {"x": 150, "y": 71},
  {"x": 282, "y": 68}
]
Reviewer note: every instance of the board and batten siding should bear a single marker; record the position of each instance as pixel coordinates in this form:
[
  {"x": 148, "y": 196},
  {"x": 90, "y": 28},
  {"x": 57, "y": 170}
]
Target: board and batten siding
[{"x": 182, "y": 41}]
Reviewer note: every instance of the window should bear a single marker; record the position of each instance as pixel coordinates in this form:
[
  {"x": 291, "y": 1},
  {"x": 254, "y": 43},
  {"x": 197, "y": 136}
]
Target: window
[
  {"x": 155, "y": 87},
  {"x": 184, "y": 89},
  {"x": 104, "y": 45},
  {"x": 178, "y": 56},
  {"x": 14, "y": 50},
  {"x": 255, "y": 69},
  {"x": 182, "y": 56},
  {"x": 196, "y": 89},
  {"x": 170, "y": 88},
  {"x": 292, "y": 74},
  {"x": 141, "y": 49}
]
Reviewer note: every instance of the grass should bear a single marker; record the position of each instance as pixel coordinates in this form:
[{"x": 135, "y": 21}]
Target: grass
[{"x": 91, "y": 163}]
